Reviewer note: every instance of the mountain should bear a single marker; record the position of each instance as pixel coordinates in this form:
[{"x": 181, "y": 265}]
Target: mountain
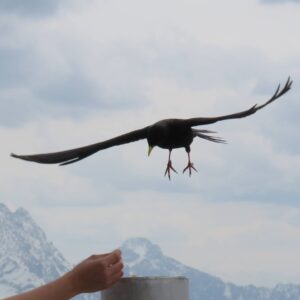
[
  {"x": 27, "y": 259},
  {"x": 142, "y": 258}
]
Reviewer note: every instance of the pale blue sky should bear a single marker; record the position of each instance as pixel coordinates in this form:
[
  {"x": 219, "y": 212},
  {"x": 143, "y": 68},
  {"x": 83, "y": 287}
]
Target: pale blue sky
[{"x": 77, "y": 72}]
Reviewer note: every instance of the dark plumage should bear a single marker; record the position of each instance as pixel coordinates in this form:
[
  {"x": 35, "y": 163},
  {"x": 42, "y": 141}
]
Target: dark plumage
[{"x": 166, "y": 134}]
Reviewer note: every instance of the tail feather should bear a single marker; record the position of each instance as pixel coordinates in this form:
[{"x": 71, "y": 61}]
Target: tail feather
[{"x": 201, "y": 133}]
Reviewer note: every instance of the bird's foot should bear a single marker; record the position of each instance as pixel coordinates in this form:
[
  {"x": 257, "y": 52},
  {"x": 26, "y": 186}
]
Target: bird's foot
[
  {"x": 169, "y": 169},
  {"x": 190, "y": 167}
]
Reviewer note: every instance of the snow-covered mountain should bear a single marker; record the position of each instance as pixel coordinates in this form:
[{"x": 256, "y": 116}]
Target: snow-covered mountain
[
  {"x": 27, "y": 259},
  {"x": 142, "y": 258}
]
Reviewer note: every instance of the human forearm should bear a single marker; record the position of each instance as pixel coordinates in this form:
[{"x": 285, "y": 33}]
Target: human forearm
[
  {"x": 60, "y": 289},
  {"x": 95, "y": 273}
]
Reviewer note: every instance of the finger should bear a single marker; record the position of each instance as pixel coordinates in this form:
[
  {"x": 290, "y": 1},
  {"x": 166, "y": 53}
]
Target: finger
[
  {"x": 97, "y": 256},
  {"x": 112, "y": 258},
  {"x": 116, "y": 268},
  {"x": 114, "y": 278}
]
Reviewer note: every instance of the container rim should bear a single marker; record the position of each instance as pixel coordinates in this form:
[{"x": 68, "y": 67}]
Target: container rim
[{"x": 138, "y": 278}]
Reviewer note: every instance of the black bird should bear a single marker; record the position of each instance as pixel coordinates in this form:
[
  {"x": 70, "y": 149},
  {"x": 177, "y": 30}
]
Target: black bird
[{"x": 167, "y": 134}]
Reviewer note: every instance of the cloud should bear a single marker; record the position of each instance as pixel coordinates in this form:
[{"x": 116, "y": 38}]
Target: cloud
[
  {"x": 61, "y": 76},
  {"x": 62, "y": 73},
  {"x": 122, "y": 77},
  {"x": 30, "y": 8},
  {"x": 280, "y": 1},
  {"x": 80, "y": 76},
  {"x": 15, "y": 66},
  {"x": 35, "y": 83}
]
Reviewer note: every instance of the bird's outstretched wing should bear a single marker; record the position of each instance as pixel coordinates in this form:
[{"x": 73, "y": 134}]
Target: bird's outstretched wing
[
  {"x": 74, "y": 155},
  {"x": 278, "y": 93}
]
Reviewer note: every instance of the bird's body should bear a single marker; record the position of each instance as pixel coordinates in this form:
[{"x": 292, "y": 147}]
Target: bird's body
[
  {"x": 170, "y": 134},
  {"x": 167, "y": 134}
]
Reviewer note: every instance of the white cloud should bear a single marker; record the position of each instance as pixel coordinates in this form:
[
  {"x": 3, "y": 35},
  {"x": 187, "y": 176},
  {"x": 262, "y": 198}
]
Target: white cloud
[
  {"x": 279, "y": 1},
  {"x": 30, "y": 8},
  {"x": 84, "y": 75}
]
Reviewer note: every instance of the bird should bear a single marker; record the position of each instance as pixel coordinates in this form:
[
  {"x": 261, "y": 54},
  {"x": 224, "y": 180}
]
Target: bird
[{"x": 167, "y": 134}]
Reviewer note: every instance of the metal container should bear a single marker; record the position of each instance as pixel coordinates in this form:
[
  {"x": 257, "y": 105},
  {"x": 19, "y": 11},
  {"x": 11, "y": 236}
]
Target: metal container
[{"x": 148, "y": 288}]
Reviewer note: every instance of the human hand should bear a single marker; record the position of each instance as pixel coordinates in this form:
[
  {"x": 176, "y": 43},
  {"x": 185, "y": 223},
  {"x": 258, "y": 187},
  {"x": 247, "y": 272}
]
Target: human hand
[{"x": 96, "y": 273}]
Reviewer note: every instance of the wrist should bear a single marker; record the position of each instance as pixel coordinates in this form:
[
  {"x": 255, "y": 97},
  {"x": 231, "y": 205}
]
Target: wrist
[{"x": 69, "y": 284}]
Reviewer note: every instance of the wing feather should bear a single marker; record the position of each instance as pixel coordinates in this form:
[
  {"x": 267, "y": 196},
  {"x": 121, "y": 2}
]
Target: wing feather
[
  {"x": 74, "y": 155},
  {"x": 278, "y": 93}
]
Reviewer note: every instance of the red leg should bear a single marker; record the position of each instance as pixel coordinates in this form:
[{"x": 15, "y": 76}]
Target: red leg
[
  {"x": 189, "y": 166},
  {"x": 169, "y": 167}
]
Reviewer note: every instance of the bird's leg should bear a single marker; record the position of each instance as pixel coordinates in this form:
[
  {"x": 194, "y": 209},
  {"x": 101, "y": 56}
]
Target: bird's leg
[
  {"x": 169, "y": 167},
  {"x": 190, "y": 165}
]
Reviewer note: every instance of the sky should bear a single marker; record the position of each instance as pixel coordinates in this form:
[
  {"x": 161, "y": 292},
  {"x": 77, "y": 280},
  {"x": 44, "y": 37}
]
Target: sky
[{"x": 77, "y": 72}]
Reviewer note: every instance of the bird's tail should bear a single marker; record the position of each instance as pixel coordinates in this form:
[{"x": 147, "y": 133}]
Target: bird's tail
[{"x": 201, "y": 133}]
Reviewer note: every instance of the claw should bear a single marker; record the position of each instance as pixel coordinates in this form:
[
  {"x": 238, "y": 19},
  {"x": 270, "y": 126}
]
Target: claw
[
  {"x": 168, "y": 169},
  {"x": 189, "y": 166}
]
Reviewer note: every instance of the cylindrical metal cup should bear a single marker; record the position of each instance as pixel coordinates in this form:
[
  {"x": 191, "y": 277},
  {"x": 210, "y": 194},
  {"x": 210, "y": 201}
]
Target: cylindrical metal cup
[{"x": 148, "y": 288}]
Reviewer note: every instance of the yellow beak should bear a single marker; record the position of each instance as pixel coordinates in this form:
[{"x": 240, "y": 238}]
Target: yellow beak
[{"x": 149, "y": 150}]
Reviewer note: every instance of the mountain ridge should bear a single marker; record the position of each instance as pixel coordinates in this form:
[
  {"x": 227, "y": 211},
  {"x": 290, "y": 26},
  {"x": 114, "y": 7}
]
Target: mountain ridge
[
  {"x": 146, "y": 259},
  {"x": 28, "y": 260}
]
